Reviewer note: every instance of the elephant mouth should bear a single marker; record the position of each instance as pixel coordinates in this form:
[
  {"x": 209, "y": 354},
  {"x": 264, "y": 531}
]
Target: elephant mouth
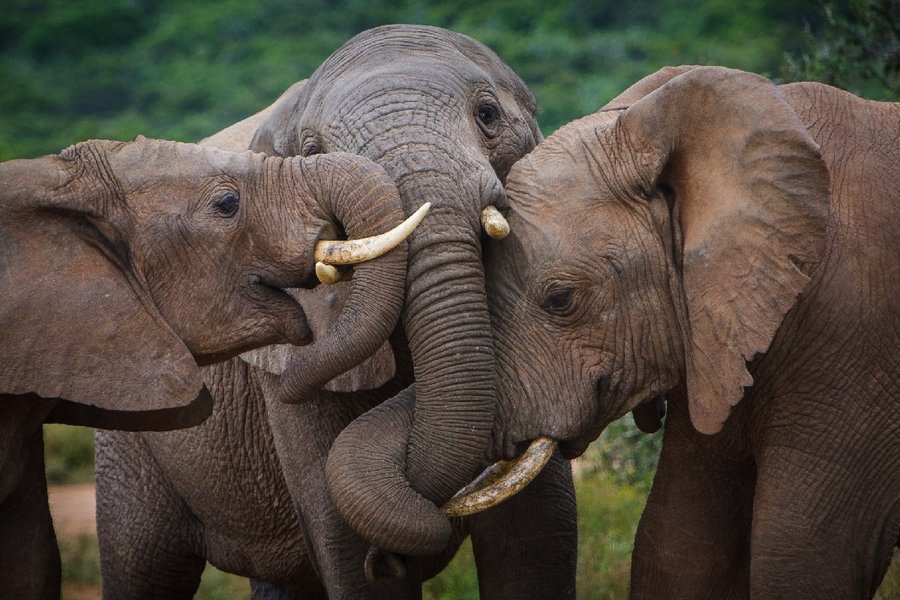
[
  {"x": 273, "y": 294},
  {"x": 573, "y": 448}
]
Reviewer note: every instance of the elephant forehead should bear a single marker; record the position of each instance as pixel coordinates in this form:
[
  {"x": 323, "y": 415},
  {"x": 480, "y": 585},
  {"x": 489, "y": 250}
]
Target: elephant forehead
[
  {"x": 421, "y": 81},
  {"x": 389, "y": 44},
  {"x": 143, "y": 160}
]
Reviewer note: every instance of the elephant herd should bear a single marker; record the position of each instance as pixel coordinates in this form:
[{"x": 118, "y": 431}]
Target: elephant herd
[{"x": 708, "y": 247}]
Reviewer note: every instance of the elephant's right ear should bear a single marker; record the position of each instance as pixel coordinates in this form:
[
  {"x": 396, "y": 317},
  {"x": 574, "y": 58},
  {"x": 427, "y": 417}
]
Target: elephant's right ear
[
  {"x": 751, "y": 202},
  {"x": 274, "y": 131},
  {"x": 74, "y": 327}
]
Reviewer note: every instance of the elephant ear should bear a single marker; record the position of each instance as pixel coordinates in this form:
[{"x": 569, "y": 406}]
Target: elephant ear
[
  {"x": 74, "y": 328},
  {"x": 275, "y": 131},
  {"x": 239, "y": 136},
  {"x": 751, "y": 204},
  {"x": 643, "y": 87}
]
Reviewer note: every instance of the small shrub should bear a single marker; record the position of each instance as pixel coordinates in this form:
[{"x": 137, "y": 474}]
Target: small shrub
[{"x": 68, "y": 454}]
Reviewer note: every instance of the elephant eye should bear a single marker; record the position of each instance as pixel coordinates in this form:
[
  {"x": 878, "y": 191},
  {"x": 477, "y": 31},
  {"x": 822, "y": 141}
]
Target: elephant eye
[
  {"x": 227, "y": 204},
  {"x": 488, "y": 116},
  {"x": 559, "y": 301}
]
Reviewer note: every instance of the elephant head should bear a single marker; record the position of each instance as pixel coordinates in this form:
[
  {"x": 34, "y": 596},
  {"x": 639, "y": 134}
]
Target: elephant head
[
  {"x": 656, "y": 243},
  {"x": 125, "y": 265},
  {"x": 446, "y": 118}
]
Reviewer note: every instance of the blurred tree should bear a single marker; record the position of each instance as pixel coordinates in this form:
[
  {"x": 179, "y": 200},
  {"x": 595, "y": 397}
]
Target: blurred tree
[
  {"x": 858, "y": 50},
  {"x": 626, "y": 454},
  {"x": 179, "y": 70}
]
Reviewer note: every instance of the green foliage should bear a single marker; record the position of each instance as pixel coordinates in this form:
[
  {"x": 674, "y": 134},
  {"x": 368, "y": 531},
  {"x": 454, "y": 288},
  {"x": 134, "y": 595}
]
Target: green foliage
[
  {"x": 859, "y": 49},
  {"x": 608, "y": 513},
  {"x": 179, "y": 70},
  {"x": 80, "y": 560},
  {"x": 625, "y": 454},
  {"x": 890, "y": 585},
  {"x": 68, "y": 454},
  {"x": 216, "y": 585},
  {"x": 458, "y": 581}
]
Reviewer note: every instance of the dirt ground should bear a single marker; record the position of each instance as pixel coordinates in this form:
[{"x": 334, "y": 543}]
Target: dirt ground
[
  {"x": 73, "y": 509},
  {"x": 74, "y": 513}
]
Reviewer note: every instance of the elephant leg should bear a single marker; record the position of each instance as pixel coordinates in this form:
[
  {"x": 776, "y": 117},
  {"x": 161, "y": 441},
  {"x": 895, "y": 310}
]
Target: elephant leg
[
  {"x": 826, "y": 516},
  {"x": 693, "y": 537},
  {"x": 147, "y": 541},
  {"x": 29, "y": 557},
  {"x": 303, "y": 434},
  {"x": 526, "y": 547}
]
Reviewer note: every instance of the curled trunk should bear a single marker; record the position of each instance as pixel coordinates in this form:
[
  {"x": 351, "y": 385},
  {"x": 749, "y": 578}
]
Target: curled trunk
[
  {"x": 370, "y": 488},
  {"x": 358, "y": 195},
  {"x": 426, "y": 454}
]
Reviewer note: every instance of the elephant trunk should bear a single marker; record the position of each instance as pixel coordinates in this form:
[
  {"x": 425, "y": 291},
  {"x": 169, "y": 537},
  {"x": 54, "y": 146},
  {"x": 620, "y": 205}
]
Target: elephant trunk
[
  {"x": 370, "y": 488},
  {"x": 446, "y": 440},
  {"x": 449, "y": 332},
  {"x": 358, "y": 195}
]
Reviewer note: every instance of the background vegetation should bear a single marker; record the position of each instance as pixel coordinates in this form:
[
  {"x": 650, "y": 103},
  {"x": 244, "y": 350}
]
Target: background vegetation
[{"x": 183, "y": 70}]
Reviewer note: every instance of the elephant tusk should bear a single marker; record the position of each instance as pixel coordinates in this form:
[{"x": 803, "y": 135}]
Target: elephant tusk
[
  {"x": 329, "y": 274},
  {"x": 351, "y": 252},
  {"x": 493, "y": 222},
  {"x": 501, "y": 480}
]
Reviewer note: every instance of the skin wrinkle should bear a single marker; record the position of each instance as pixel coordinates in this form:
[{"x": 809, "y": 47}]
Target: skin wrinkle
[{"x": 258, "y": 459}]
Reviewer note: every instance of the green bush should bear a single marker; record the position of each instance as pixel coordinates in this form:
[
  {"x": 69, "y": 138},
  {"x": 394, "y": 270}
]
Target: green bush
[
  {"x": 68, "y": 454},
  {"x": 625, "y": 454},
  {"x": 858, "y": 49},
  {"x": 178, "y": 70}
]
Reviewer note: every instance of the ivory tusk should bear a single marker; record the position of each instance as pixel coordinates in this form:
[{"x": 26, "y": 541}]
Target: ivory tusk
[
  {"x": 329, "y": 274},
  {"x": 351, "y": 252},
  {"x": 493, "y": 222},
  {"x": 501, "y": 480}
]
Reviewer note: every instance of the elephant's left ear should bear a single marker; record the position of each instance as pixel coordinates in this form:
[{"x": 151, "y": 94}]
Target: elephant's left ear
[
  {"x": 643, "y": 87},
  {"x": 268, "y": 122},
  {"x": 73, "y": 326},
  {"x": 751, "y": 201},
  {"x": 274, "y": 134}
]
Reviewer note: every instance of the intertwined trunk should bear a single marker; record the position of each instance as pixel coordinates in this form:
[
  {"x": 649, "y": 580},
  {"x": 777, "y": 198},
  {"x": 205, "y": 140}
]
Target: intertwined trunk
[
  {"x": 417, "y": 458},
  {"x": 358, "y": 195}
]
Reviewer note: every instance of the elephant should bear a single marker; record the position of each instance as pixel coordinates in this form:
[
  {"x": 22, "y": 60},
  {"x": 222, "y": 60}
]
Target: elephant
[
  {"x": 446, "y": 118},
  {"x": 728, "y": 245},
  {"x": 126, "y": 266}
]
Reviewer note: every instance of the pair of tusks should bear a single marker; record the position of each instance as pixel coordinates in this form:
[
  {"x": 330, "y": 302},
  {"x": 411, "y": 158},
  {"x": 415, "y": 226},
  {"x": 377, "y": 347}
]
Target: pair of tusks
[
  {"x": 501, "y": 480},
  {"x": 331, "y": 253}
]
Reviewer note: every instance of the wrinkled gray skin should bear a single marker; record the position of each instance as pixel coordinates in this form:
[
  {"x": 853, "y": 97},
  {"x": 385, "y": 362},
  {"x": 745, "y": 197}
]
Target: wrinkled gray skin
[
  {"x": 733, "y": 245},
  {"x": 126, "y": 265},
  {"x": 246, "y": 490}
]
